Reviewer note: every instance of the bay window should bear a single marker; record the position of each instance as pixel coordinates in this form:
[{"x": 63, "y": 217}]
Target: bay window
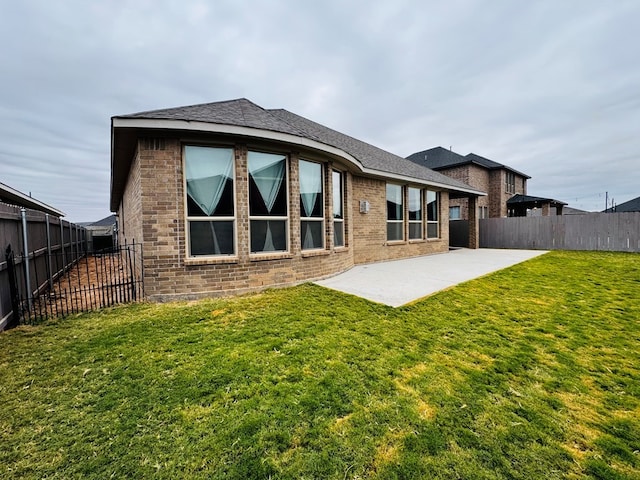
[
  {"x": 338, "y": 209},
  {"x": 415, "y": 213},
  {"x": 395, "y": 213},
  {"x": 210, "y": 200},
  {"x": 311, "y": 205},
  {"x": 268, "y": 205}
]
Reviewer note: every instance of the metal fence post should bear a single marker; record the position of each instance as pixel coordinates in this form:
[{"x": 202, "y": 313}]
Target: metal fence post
[
  {"x": 64, "y": 256},
  {"x": 46, "y": 217},
  {"x": 25, "y": 243}
]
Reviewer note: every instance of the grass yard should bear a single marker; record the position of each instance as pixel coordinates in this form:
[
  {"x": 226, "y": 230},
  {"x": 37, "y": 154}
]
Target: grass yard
[{"x": 532, "y": 372}]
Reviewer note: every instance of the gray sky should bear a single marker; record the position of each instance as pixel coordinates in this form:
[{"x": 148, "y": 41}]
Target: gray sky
[{"x": 550, "y": 88}]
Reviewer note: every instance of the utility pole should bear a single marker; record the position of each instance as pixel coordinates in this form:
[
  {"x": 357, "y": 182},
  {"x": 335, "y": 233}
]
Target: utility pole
[{"x": 606, "y": 201}]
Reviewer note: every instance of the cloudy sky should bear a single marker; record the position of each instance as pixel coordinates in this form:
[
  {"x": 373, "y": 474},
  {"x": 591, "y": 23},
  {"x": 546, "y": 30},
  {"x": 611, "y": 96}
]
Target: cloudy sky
[{"x": 550, "y": 88}]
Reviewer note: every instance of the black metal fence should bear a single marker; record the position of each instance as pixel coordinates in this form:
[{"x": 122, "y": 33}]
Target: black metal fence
[
  {"x": 53, "y": 245},
  {"x": 95, "y": 280}
]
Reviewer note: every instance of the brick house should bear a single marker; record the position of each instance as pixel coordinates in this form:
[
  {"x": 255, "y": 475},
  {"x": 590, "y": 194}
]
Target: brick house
[
  {"x": 229, "y": 197},
  {"x": 499, "y": 181}
]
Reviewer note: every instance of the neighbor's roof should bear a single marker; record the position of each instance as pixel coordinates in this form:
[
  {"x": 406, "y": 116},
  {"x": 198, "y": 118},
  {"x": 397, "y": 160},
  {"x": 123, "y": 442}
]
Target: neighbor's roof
[
  {"x": 104, "y": 222},
  {"x": 439, "y": 158},
  {"x": 630, "y": 206},
  {"x": 12, "y": 196},
  {"x": 244, "y": 118}
]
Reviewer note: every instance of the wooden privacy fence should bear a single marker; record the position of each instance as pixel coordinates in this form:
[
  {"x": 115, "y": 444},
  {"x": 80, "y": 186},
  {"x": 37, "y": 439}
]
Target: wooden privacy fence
[
  {"x": 618, "y": 232},
  {"x": 46, "y": 270},
  {"x": 37, "y": 240}
]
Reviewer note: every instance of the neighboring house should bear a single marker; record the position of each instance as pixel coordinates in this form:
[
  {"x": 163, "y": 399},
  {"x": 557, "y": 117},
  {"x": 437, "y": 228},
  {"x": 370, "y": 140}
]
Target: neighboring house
[
  {"x": 12, "y": 196},
  {"x": 101, "y": 235},
  {"x": 574, "y": 211},
  {"x": 499, "y": 181},
  {"x": 630, "y": 206},
  {"x": 229, "y": 197}
]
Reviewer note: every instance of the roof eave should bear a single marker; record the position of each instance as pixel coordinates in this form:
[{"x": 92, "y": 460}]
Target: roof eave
[
  {"x": 23, "y": 200},
  {"x": 126, "y": 123}
]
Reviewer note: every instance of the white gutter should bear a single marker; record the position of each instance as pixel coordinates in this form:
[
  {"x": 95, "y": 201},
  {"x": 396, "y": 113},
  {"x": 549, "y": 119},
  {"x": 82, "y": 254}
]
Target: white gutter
[{"x": 258, "y": 133}]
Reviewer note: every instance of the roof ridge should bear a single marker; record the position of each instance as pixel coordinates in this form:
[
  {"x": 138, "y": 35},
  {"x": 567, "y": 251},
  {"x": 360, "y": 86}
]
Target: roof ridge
[{"x": 195, "y": 105}]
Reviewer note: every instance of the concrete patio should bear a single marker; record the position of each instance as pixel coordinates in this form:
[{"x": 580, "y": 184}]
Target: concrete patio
[{"x": 399, "y": 282}]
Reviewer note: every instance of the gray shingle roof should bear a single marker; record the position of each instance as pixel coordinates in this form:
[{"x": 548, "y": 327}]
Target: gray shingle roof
[
  {"x": 485, "y": 162},
  {"x": 240, "y": 112},
  {"x": 244, "y": 113},
  {"x": 632, "y": 205},
  {"x": 439, "y": 158},
  {"x": 371, "y": 157}
]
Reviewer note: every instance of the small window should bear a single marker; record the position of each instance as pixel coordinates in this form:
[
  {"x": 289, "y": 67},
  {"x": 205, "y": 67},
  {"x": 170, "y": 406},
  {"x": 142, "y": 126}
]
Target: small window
[
  {"x": 483, "y": 212},
  {"x": 338, "y": 209},
  {"x": 433, "y": 206},
  {"x": 311, "y": 205},
  {"x": 268, "y": 209},
  {"x": 454, "y": 213},
  {"x": 210, "y": 200},
  {"x": 510, "y": 182},
  {"x": 415, "y": 213},
  {"x": 395, "y": 213}
]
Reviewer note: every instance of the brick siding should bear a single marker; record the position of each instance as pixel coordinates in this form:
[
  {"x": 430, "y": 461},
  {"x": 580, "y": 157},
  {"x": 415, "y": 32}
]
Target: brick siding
[{"x": 153, "y": 211}]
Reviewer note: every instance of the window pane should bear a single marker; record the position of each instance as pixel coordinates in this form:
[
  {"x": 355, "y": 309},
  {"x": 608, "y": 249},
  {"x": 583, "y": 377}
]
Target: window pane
[
  {"x": 394, "y": 202},
  {"x": 394, "y": 231},
  {"x": 267, "y": 184},
  {"x": 432, "y": 206},
  {"x": 415, "y": 204},
  {"x": 209, "y": 173},
  {"x": 337, "y": 195},
  {"x": 211, "y": 238},
  {"x": 415, "y": 231},
  {"x": 268, "y": 236},
  {"x": 454, "y": 213},
  {"x": 312, "y": 234},
  {"x": 338, "y": 234},
  {"x": 310, "y": 189},
  {"x": 432, "y": 230}
]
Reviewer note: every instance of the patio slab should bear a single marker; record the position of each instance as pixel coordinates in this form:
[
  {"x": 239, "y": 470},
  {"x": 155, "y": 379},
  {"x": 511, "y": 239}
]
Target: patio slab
[{"x": 399, "y": 282}]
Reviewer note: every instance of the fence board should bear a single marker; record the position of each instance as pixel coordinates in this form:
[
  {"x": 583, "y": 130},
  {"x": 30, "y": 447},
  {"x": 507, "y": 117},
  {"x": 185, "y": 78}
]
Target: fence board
[
  {"x": 11, "y": 233},
  {"x": 619, "y": 232}
]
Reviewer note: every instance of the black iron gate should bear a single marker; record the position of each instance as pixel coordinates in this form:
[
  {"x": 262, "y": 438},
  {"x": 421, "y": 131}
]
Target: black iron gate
[{"x": 91, "y": 282}]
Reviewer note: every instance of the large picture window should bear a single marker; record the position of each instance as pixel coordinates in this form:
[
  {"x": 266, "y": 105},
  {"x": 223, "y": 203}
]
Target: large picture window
[
  {"x": 395, "y": 213},
  {"x": 311, "y": 205},
  {"x": 433, "y": 206},
  {"x": 210, "y": 200},
  {"x": 415, "y": 213},
  {"x": 268, "y": 211},
  {"x": 338, "y": 209}
]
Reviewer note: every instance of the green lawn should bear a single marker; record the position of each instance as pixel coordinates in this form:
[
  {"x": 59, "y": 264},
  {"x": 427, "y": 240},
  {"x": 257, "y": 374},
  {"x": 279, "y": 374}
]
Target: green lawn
[{"x": 532, "y": 372}]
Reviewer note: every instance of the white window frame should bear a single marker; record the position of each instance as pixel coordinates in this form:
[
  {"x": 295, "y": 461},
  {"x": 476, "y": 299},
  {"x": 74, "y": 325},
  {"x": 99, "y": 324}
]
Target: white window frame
[
  {"x": 321, "y": 218},
  {"x": 402, "y": 213},
  {"x": 267, "y": 218},
  {"x": 338, "y": 221},
  {"x": 190, "y": 219},
  {"x": 435, "y": 222},
  {"x": 422, "y": 209}
]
